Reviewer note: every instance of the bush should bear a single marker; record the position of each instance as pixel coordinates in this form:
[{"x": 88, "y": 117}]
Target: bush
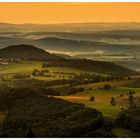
[
  {"x": 113, "y": 102},
  {"x": 92, "y": 98},
  {"x": 107, "y": 86}
]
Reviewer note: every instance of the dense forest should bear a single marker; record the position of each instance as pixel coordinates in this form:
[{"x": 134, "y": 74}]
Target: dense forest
[
  {"x": 45, "y": 116},
  {"x": 31, "y": 113}
]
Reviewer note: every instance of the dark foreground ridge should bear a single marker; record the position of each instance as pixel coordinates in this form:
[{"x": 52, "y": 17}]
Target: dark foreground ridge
[{"x": 33, "y": 115}]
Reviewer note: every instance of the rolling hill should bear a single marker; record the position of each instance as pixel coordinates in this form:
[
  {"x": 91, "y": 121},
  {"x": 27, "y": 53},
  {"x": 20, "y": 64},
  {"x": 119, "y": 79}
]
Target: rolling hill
[
  {"x": 56, "y": 43},
  {"x": 26, "y": 52},
  {"x": 29, "y": 52},
  {"x": 93, "y": 66}
]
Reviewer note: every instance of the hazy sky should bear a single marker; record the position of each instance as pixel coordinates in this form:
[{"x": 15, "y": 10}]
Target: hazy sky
[{"x": 69, "y": 12}]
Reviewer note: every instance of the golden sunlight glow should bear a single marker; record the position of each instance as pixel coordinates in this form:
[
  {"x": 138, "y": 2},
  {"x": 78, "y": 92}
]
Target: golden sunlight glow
[{"x": 66, "y": 12}]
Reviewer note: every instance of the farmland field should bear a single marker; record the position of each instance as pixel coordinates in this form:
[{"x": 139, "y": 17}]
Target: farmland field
[
  {"x": 102, "y": 99},
  {"x": 23, "y": 67},
  {"x": 102, "y": 96}
]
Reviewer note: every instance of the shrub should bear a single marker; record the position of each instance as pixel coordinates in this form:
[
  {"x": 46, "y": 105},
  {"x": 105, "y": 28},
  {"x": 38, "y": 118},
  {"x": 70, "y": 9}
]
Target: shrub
[
  {"x": 107, "y": 86},
  {"x": 113, "y": 102},
  {"x": 92, "y": 98}
]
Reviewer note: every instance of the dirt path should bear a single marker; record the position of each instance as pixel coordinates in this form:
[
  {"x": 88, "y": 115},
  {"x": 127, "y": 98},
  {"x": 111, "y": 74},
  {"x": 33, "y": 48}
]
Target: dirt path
[{"x": 73, "y": 97}]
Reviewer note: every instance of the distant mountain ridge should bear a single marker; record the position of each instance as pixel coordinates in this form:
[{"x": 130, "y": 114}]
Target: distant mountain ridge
[
  {"x": 65, "y": 44},
  {"x": 69, "y": 27}
]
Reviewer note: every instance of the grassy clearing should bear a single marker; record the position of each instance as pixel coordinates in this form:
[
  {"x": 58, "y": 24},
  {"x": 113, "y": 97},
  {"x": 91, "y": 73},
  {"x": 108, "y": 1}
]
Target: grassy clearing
[
  {"x": 64, "y": 69},
  {"x": 107, "y": 110},
  {"x": 23, "y": 67},
  {"x": 48, "y": 78},
  {"x": 114, "y": 83},
  {"x": 72, "y": 70},
  {"x": 102, "y": 99},
  {"x": 29, "y": 66}
]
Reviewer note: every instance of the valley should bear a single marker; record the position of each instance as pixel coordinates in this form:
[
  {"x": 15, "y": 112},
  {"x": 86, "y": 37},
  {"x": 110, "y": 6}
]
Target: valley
[
  {"x": 89, "y": 83},
  {"x": 113, "y": 43},
  {"x": 70, "y": 80}
]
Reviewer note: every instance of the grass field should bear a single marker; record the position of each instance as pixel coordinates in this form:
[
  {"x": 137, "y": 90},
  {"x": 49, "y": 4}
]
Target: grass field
[
  {"x": 64, "y": 69},
  {"x": 113, "y": 83},
  {"x": 73, "y": 70},
  {"x": 102, "y": 99},
  {"x": 23, "y": 67},
  {"x": 102, "y": 103},
  {"x": 28, "y": 67}
]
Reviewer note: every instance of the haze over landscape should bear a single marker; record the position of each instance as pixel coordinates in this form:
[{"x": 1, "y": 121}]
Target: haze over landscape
[{"x": 116, "y": 42}]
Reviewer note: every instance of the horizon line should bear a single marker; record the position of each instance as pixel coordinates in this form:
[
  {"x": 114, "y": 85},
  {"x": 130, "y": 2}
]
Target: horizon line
[{"x": 105, "y": 22}]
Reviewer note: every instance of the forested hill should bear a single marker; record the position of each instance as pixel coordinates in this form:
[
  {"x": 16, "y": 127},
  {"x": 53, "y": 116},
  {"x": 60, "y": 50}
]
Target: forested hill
[
  {"x": 93, "y": 66},
  {"x": 47, "y": 116},
  {"x": 27, "y": 52}
]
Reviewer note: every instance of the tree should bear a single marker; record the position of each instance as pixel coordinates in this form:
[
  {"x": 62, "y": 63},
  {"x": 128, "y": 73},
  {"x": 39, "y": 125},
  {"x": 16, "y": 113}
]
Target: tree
[
  {"x": 132, "y": 92},
  {"x": 35, "y": 72},
  {"x": 121, "y": 95},
  {"x": 92, "y": 98},
  {"x": 129, "y": 78},
  {"x": 131, "y": 98},
  {"x": 90, "y": 88},
  {"x": 131, "y": 101},
  {"x": 43, "y": 65},
  {"x": 113, "y": 102},
  {"x": 30, "y": 134},
  {"x": 107, "y": 86}
]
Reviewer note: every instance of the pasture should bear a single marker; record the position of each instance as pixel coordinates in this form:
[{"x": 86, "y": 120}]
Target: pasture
[
  {"x": 23, "y": 67},
  {"x": 102, "y": 99}
]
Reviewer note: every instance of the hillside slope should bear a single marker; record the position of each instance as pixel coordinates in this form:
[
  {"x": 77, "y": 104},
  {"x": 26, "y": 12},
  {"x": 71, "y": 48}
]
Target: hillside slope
[
  {"x": 47, "y": 117},
  {"x": 93, "y": 66},
  {"x": 27, "y": 52}
]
